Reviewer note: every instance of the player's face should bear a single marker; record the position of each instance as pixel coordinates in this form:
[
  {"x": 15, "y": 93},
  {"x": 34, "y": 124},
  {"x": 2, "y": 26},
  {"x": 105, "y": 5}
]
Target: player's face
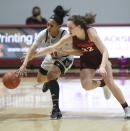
[
  {"x": 53, "y": 27},
  {"x": 72, "y": 28}
]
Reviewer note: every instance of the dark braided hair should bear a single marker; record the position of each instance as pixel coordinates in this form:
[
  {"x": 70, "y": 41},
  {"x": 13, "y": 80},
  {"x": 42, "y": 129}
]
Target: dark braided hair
[
  {"x": 89, "y": 18},
  {"x": 59, "y": 14}
]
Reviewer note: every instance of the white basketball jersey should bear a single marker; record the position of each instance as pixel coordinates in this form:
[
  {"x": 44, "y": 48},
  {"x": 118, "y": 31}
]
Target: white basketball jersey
[{"x": 44, "y": 36}]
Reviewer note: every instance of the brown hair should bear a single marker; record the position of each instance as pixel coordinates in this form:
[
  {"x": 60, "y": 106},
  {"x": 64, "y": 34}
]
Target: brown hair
[{"x": 89, "y": 18}]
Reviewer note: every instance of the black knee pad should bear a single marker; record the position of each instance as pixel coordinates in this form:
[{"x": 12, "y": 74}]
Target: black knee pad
[
  {"x": 43, "y": 71},
  {"x": 58, "y": 64}
]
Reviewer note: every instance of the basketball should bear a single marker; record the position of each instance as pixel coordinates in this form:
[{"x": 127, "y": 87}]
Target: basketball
[{"x": 11, "y": 80}]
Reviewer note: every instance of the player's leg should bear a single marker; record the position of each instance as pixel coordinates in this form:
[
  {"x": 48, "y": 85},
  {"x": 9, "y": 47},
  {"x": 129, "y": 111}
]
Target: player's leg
[
  {"x": 64, "y": 64},
  {"x": 42, "y": 75},
  {"x": 60, "y": 67},
  {"x": 52, "y": 74},
  {"x": 49, "y": 77},
  {"x": 86, "y": 77},
  {"x": 53, "y": 85},
  {"x": 115, "y": 89}
]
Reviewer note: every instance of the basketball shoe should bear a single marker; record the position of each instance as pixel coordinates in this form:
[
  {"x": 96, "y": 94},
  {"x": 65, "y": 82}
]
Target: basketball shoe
[
  {"x": 127, "y": 112},
  {"x": 106, "y": 90},
  {"x": 56, "y": 113}
]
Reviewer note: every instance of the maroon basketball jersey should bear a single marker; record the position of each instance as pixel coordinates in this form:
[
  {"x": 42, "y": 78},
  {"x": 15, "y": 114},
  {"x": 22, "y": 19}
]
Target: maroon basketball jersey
[{"x": 92, "y": 57}]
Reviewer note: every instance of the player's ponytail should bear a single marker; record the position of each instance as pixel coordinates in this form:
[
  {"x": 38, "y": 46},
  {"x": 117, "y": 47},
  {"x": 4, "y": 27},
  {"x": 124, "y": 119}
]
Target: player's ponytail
[
  {"x": 59, "y": 14},
  {"x": 89, "y": 18}
]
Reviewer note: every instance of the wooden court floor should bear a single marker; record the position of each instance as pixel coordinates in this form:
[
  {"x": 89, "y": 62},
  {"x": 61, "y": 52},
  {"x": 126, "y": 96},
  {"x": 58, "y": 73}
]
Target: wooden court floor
[{"x": 27, "y": 108}]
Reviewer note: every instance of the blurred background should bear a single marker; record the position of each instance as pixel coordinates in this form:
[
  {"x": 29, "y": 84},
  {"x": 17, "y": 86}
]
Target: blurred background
[{"x": 108, "y": 12}]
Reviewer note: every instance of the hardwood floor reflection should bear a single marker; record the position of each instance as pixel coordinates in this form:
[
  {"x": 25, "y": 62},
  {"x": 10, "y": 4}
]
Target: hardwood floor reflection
[{"x": 27, "y": 108}]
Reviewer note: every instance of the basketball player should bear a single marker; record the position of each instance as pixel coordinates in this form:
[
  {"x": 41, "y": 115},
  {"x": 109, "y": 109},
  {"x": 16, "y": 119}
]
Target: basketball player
[
  {"x": 95, "y": 56},
  {"x": 55, "y": 63}
]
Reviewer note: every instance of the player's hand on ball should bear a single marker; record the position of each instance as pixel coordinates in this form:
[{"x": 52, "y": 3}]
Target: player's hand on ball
[{"x": 22, "y": 71}]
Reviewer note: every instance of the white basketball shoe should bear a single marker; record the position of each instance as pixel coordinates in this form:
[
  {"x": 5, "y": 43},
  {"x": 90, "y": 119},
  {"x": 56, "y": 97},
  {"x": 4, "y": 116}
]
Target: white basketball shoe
[
  {"x": 107, "y": 92},
  {"x": 127, "y": 112}
]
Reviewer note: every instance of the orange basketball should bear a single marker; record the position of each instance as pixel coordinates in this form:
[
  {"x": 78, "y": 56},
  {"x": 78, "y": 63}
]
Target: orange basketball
[{"x": 11, "y": 80}]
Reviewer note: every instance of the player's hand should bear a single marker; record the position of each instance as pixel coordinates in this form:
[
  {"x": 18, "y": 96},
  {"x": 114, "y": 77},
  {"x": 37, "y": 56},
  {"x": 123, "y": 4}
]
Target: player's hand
[
  {"x": 102, "y": 71},
  {"x": 22, "y": 71},
  {"x": 59, "y": 50}
]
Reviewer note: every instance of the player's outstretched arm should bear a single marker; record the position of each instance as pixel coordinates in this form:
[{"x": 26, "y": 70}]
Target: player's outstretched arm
[
  {"x": 64, "y": 40},
  {"x": 74, "y": 52},
  {"x": 22, "y": 70}
]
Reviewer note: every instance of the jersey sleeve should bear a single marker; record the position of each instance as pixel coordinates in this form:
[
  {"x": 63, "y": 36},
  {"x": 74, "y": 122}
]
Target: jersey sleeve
[{"x": 40, "y": 38}]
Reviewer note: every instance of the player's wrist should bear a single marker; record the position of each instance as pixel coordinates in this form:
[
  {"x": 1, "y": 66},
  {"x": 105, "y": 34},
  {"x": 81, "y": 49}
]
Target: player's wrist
[{"x": 24, "y": 64}]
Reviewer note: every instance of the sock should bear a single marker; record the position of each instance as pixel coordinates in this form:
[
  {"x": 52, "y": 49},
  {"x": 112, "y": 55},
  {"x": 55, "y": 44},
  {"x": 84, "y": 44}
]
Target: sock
[
  {"x": 48, "y": 83},
  {"x": 124, "y": 105},
  {"x": 102, "y": 83},
  {"x": 54, "y": 90}
]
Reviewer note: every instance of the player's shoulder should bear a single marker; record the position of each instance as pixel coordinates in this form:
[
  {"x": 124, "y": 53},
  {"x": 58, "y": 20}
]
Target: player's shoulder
[
  {"x": 63, "y": 31},
  {"x": 43, "y": 32},
  {"x": 42, "y": 35},
  {"x": 89, "y": 28},
  {"x": 92, "y": 31}
]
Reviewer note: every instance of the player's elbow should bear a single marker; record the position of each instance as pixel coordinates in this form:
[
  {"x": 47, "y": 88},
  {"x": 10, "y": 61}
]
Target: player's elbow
[{"x": 106, "y": 53}]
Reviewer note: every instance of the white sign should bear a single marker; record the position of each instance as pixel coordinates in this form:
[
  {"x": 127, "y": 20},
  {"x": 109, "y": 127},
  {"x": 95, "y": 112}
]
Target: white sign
[{"x": 116, "y": 39}]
